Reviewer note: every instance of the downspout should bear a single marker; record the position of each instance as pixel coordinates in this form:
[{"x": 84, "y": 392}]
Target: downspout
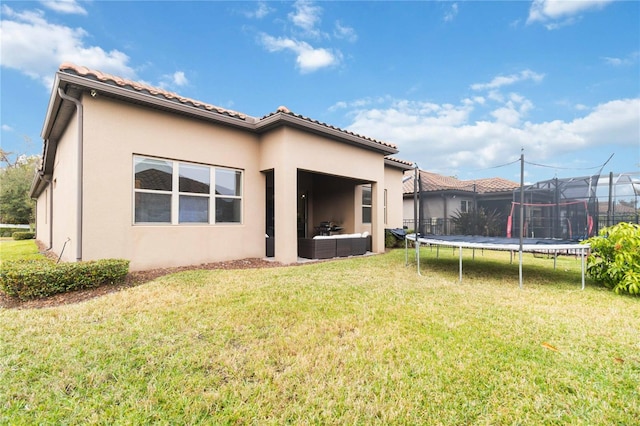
[
  {"x": 50, "y": 212},
  {"x": 80, "y": 116}
]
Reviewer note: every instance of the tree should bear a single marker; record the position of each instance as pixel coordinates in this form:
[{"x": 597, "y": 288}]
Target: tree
[{"x": 15, "y": 181}]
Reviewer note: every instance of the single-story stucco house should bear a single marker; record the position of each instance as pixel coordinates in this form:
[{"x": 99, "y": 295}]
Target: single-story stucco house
[{"x": 136, "y": 172}]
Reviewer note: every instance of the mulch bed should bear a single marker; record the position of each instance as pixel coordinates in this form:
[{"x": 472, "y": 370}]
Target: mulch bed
[{"x": 133, "y": 279}]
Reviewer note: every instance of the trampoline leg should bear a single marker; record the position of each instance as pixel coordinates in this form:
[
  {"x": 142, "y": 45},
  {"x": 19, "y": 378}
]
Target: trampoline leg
[
  {"x": 582, "y": 263},
  {"x": 406, "y": 252},
  {"x": 460, "y": 251}
]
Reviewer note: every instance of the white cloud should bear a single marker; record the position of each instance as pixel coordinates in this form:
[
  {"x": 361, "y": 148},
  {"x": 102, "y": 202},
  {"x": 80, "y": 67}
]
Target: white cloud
[
  {"x": 64, "y": 6},
  {"x": 451, "y": 13},
  {"x": 557, "y": 13},
  {"x": 306, "y": 16},
  {"x": 261, "y": 10},
  {"x": 169, "y": 81},
  {"x": 344, "y": 32},
  {"x": 630, "y": 59},
  {"x": 7, "y": 128},
  {"x": 308, "y": 58},
  {"x": 180, "y": 79},
  {"x": 36, "y": 47},
  {"x": 446, "y": 138},
  {"x": 306, "y": 19},
  {"x": 508, "y": 80}
]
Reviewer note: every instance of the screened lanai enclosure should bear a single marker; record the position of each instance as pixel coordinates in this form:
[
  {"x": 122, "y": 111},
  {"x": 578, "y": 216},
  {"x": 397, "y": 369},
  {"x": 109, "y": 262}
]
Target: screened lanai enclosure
[
  {"x": 575, "y": 208},
  {"x": 571, "y": 209}
]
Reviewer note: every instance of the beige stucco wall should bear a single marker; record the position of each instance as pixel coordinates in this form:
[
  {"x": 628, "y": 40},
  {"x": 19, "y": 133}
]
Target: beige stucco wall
[
  {"x": 435, "y": 206},
  {"x": 393, "y": 185},
  {"x": 333, "y": 201},
  {"x": 114, "y": 132},
  {"x": 43, "y": 217},
  {"x": 286, "y": 150},
  {"x": 64, "y": 187}
]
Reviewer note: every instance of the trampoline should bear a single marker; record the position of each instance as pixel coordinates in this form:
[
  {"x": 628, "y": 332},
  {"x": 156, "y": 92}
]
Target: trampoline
[{"x": 531, "y": 245}]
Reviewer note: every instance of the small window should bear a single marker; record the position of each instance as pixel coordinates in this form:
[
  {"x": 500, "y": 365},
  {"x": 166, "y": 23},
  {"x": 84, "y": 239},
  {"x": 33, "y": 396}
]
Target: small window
[
  {"x": 464, "y": 206},
  {"x": 366, "y": 204},
  {"x": 385, "y": 207}
]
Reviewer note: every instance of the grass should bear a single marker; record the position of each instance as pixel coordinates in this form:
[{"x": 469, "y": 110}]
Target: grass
[
  {"x": 356, "y": 341},
  {"x": 15, "y": 250}
]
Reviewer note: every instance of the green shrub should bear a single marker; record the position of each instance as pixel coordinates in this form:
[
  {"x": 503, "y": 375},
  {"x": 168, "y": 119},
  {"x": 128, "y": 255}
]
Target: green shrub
[
  {"x": 615, "y": 258},
  {"x": 478, "y": 222},
  {"x": 23, "y": 235},
  {"x": 391, "y": 241},
  {"x": 41, "y": 278},
  {"x": 8, "y": 232}
]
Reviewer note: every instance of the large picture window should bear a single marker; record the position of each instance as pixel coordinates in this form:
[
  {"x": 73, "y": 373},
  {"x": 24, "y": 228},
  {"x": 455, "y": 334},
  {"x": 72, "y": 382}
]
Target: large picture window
[{"x": 174, "y": 192}]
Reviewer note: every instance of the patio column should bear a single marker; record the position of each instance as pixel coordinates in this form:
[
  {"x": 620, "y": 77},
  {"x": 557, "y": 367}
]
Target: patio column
[
  {"x": 285, "y": 206},
  {"x": 377, "y": 217}
]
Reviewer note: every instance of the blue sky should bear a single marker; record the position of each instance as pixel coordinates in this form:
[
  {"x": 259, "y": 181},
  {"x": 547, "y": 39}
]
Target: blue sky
[{"x": 461, "y": 87}]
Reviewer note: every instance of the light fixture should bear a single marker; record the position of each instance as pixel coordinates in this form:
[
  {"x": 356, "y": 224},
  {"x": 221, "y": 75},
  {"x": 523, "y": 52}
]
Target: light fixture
[{"x": 93, "y": 93}]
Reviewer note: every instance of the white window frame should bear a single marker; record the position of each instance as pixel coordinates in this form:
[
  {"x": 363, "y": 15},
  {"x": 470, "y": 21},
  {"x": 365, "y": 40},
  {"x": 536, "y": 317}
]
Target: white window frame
[{"x": 175, "y": 193}]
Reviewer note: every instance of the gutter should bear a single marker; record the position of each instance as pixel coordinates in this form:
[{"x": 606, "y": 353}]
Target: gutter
[{"x": 80, "y": 115}]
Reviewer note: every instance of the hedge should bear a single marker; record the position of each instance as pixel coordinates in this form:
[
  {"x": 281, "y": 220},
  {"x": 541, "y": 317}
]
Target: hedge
[
  {"x": 8, "y": 232},
  {"x": 29, "y": 279},
  {"x": 23, "y": 235}
]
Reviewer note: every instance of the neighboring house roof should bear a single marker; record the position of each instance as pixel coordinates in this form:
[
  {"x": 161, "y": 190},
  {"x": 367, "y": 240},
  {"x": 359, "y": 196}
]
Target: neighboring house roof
[
  {"x": 494, "y": 184},
  {"x": 432, "y": 182},
  {"x": 618, "y": 209}
]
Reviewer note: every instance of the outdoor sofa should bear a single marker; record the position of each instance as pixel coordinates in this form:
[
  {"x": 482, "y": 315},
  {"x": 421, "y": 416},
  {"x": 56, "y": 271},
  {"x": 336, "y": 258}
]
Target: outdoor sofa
[{"x": 329, "y": 246}]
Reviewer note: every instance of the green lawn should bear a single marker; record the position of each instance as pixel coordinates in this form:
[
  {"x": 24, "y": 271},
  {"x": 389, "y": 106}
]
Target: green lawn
[
  {"x": 15, "y": 250},
  {"x": 356, "y": 341}
]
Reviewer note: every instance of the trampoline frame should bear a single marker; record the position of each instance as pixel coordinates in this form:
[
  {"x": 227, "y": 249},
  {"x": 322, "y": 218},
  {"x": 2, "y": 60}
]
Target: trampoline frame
[{"x": 544, "y": 246}]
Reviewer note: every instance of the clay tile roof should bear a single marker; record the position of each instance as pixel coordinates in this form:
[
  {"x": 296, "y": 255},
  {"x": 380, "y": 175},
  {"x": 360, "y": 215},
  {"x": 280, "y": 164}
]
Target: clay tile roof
[
  {"x": 399, "y": 161},
  {"x": 143, "y": 87},
  {"x": 495, "y": 184},
  {"x": 285, "y": 110},
  {"x": 435, "y": 182}
]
